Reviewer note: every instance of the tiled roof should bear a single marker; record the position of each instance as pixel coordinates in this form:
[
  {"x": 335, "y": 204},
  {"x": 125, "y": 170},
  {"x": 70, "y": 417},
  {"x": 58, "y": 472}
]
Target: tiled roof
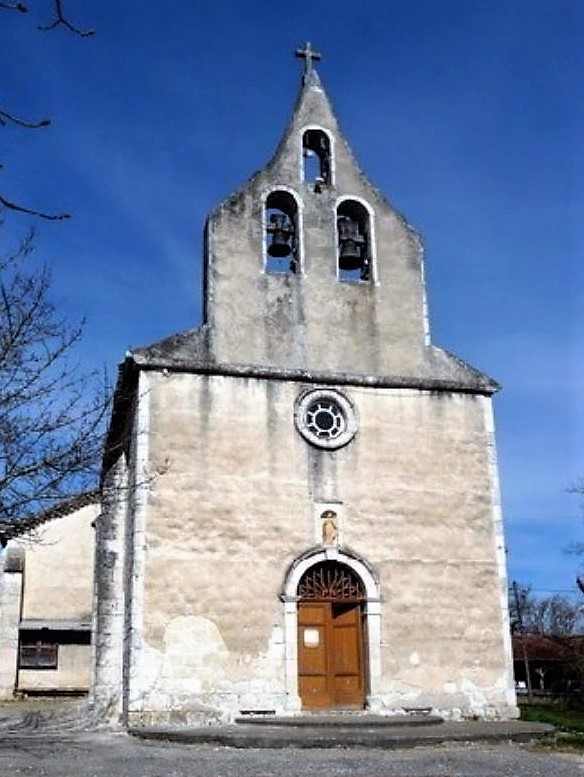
[
  {"x": 542, "y": 648},
  {"x": 14, "y": 529}
]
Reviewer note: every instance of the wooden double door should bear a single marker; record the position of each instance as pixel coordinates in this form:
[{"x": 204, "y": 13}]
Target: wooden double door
[{"x": 331, "y": 655}]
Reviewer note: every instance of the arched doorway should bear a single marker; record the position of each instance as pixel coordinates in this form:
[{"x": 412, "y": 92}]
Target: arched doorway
[{"x": 331, "y": 637}]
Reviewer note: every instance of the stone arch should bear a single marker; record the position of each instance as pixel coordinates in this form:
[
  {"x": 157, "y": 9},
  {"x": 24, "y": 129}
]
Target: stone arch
[
  {"x": 359, "y": 214},
  {"x": 283, "y": 200},
  {"x": 310, "y": 135},
  {"x": 372, "y": 611}
]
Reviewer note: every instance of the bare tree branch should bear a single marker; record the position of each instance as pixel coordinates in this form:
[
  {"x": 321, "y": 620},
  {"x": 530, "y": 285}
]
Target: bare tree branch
[
  {"x": 61, "y": 20},
  {"x": 6, "y": 203},
  {"x": 8, "y": 118},
  {"x": 549, "y": 616},
  {"x": 52, "y": 414},
  {"x": 14, "y": 7}
]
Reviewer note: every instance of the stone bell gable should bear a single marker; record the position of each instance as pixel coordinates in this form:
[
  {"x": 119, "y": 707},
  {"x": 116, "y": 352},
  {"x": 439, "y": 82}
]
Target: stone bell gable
[
  {"x": 338, "y": 289},
  {"x": 301, "y": 506}
]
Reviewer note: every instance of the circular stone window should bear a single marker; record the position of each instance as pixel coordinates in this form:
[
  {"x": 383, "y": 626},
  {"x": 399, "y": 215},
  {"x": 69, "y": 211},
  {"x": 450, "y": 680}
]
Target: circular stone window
[{"x": 325, "y": 418}]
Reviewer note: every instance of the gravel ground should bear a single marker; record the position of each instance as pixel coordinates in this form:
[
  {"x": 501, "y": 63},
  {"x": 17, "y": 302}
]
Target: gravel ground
[{"x": 118, "y": 755}]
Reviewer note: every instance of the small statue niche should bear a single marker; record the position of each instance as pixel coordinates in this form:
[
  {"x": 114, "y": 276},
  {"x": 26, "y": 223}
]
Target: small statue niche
[{"x": 330, "y": 531}]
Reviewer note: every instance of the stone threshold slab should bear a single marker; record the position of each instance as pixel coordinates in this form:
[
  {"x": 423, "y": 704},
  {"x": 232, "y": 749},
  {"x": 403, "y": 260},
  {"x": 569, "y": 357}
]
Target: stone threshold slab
[{"x": 351, "y": 719}]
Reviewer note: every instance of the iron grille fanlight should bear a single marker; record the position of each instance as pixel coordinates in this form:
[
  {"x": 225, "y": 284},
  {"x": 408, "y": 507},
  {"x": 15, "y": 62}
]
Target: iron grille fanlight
[{"x": 330, "y": 581}]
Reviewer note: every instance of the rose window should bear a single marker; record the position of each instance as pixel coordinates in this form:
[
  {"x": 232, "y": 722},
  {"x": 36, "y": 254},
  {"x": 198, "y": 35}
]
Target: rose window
[{"x": 325, "y": 418}]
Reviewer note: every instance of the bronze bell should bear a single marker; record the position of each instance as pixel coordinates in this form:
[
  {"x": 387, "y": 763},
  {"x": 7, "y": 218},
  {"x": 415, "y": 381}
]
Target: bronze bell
[
  {"x": 351, "y": 244},
  {"x": 281, "y": 230}
]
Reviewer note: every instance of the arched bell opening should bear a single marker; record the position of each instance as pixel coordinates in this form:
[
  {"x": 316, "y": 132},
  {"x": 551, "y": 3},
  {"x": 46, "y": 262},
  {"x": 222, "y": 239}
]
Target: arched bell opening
[
  {"x": 281, "y": 233},
  {"x": 354, "y": 249},
  {"x": 316, "y": 156}
]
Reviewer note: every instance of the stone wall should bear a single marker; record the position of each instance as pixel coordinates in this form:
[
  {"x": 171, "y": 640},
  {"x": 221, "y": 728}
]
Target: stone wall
[
  {"x": 48, "y": 584},
  {"x": 11, "y": 569},
  {"x": 73, "y": 672},
  {"x": 233, "y": 500},
  {"x": 110, "y": 619},
  {"x": 59, "y": 568}
]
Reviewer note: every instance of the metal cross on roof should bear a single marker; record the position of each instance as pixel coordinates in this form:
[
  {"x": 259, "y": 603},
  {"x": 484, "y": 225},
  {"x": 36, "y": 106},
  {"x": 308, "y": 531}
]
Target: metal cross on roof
[{"x": 308, "y": 54}]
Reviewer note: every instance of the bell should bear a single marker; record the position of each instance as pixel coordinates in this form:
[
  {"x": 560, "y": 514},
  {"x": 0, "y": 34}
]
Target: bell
[
  {"x": 351, "y": 244},
  {"x": 281, "y": 231}
]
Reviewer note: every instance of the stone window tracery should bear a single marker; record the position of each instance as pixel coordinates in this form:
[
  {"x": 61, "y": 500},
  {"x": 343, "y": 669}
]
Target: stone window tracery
[{"x": 330, "y": 580}]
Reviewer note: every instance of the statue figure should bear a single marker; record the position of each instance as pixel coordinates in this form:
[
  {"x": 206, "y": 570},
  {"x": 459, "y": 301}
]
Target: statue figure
[{"x": 329, "y": 528}]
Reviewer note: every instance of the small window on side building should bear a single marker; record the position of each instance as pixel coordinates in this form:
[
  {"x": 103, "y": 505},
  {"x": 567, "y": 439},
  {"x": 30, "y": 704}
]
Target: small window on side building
[{"x": 38, "y": 650}]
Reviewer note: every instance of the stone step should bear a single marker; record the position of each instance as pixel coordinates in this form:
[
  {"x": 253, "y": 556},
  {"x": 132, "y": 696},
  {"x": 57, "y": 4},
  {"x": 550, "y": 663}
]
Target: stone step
[
  {"x": 374, "y": 737},
  {"x": 340, "y": 719}
]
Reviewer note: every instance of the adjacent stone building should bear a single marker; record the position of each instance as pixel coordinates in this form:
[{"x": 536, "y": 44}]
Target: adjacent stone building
[
  {"x": 46, "y": 600},
  {"x": 301, "y": 507}
]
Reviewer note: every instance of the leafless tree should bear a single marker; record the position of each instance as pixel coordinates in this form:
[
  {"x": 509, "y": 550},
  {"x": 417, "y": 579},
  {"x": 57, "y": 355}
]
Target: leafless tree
[
  {"x": 557, "y": 616},
  {"x": 577, "y": 548},
  {"x": 546, "y": 616},
  {"x": 13, "y": 117},
  {"x": 557, "y": 619},
  {"x": 519, "y": 598},
  {"x": 52, "y": 414}
]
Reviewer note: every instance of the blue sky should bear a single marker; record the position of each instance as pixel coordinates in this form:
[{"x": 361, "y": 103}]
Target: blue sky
[{"x": 468, "y": 114}]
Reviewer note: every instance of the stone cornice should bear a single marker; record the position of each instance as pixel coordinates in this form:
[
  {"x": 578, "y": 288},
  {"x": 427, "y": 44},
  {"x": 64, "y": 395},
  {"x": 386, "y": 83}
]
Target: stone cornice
[{"x": 475, "y": 385}]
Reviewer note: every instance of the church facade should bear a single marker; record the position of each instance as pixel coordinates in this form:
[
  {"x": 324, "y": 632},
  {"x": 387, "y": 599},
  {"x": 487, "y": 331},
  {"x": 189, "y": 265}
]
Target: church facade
[{"x": 301, "y": 506}]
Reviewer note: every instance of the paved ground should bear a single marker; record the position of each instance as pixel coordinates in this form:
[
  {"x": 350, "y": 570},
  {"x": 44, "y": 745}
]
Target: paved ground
[
  {"x": 45, "y": 739},
  {"x": 76, "y": 754}
]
